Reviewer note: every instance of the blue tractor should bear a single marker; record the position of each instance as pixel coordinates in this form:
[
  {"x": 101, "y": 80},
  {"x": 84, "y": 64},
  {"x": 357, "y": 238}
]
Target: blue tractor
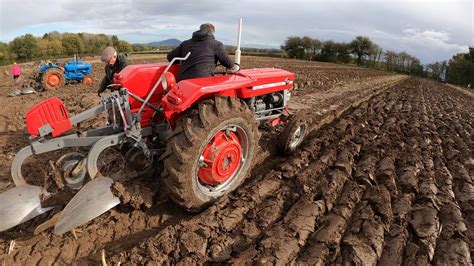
[{"x": 53, "y": 76}]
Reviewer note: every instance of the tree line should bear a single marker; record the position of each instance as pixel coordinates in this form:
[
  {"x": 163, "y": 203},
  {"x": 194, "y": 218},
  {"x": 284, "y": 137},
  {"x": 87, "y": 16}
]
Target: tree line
[
  {"x": 361, "y": 50},
  {"x": 54, "y": 45},
  {"x": 364, "y": 52},
  {"x": 458, "y": 70}
]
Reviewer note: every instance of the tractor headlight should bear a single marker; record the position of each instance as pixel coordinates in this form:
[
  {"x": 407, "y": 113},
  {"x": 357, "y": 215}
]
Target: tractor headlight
[
  {"x": 164, "y": 84},
  {"x": 168, "y": 81}
]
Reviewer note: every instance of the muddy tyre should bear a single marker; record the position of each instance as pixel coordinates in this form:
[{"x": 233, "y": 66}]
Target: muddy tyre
[
  {"x": 293, "y": 135},
  {"x": 88, "y": 80},
  {"x": 53, "y": 78},
  {"x": 210, "y": 152}
]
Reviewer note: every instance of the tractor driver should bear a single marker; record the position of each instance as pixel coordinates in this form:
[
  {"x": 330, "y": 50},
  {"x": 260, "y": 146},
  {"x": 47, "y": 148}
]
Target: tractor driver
[
  {"x": 205, "y": 53},
  {"x": 113, "y": 64}
]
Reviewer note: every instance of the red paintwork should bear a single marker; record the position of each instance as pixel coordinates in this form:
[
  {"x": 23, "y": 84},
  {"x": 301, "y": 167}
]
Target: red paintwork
[
  {"x": 222, "y": 157},
  {"x": 274, "y": 122},
  {"x": 50, "y": 111},
  {"x": 170, "y": 81},
  {"x": 237, "y": 85},
  {"x": 140, "y": 79},
  {"x": 147, "y": 114}
]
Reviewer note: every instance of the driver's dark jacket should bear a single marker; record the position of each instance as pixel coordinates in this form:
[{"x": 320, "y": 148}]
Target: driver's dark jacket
[
  {"x": 205, "y": 53},
  {"x": 110, "y": 70}
]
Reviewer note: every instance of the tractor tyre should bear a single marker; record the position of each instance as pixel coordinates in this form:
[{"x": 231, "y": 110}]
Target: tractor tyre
[
  {"x": 293, "y": 135},
  {"x": 88, "y": 80},
  {"x": 53, "y": 78},
  {"x": 210, "y": 152}
]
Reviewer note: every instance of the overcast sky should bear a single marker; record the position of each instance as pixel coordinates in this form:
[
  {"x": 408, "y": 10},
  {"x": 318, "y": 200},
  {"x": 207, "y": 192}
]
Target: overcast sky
[{"x": 431, "y": 30}]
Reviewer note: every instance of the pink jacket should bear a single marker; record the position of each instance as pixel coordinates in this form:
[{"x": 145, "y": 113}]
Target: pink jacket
[{"x": 16, "y": 70}]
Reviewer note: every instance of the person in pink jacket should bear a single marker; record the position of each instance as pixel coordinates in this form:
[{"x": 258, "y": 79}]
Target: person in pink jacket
[{"x": 16, "y": 71}]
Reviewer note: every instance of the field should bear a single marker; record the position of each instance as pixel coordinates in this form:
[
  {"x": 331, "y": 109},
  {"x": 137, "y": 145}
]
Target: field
[{"x": 385, "y": 177}]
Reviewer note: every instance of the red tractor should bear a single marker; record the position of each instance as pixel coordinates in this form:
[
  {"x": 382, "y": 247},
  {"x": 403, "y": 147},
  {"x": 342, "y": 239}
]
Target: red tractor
[{"x": 203, "y": 133}]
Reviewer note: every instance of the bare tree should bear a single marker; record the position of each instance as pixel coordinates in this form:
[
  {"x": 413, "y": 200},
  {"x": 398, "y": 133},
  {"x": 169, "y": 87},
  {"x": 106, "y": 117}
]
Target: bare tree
[
  {"x": 375, "y": 54},
  {"x": 403, "y": 58},
  {"x": 390, "y": 59},
  {"x": 379, "y": 54},
  {"x": 315, "y": 47}
]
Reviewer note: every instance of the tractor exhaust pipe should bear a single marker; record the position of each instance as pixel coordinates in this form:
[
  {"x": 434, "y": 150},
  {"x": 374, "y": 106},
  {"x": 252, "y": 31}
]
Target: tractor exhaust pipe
[{"x": 237, "y": 51}]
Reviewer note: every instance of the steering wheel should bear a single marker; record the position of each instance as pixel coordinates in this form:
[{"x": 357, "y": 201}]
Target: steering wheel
[{"x": 227, "y": 70}]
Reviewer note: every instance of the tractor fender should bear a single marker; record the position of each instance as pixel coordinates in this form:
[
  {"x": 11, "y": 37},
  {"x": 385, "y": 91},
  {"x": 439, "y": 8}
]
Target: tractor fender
[
  {"x": 47, "y": 66},
  {"x": 189, "y": 92}
]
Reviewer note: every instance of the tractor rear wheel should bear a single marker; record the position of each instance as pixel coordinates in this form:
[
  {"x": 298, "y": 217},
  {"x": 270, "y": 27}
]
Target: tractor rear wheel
[
  {"x": 210, "y": 153},
  {"x": 53, "y": 78}
]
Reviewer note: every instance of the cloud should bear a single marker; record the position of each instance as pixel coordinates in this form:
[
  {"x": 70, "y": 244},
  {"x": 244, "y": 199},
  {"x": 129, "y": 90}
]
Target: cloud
[
  {"x": 432, "y": 39},
  {"x": 442, "y": 36},
  {"x": 429, "y": 45},
  {"x": 442, "y": 27}
]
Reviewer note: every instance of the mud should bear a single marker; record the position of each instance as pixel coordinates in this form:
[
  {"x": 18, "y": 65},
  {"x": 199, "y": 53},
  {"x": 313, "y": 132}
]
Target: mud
[
  {"x": 135, "y": 195},
  {"x": 370, "y": 192},
  {"x": 385, "y": 177}
]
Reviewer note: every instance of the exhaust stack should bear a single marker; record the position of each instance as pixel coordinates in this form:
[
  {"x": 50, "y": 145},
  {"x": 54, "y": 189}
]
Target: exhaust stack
[{"x": 239, "y": 34}]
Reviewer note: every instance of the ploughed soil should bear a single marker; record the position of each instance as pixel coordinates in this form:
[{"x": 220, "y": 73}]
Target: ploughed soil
[{"x": 384, "y": 177}]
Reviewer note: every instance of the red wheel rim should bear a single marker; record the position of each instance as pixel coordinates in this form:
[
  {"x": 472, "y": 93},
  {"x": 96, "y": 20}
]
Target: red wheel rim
[
  {"x": 220, "y": 159},
  {"x": 53, "y": 80},
  {"x": 88, "y": 81}
]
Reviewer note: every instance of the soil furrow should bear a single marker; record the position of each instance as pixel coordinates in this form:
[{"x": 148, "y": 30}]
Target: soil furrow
[
  {"x": 385, "y": 177},
  {"x": 220, "y": 250},
  {"x": 324, "y": 244}
]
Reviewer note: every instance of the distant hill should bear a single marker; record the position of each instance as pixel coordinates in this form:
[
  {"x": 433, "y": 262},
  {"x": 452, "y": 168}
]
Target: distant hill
[{"x": 167, "y": 42}]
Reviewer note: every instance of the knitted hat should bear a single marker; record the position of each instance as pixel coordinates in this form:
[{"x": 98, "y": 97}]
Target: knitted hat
[{"x": 108, "y": 52}]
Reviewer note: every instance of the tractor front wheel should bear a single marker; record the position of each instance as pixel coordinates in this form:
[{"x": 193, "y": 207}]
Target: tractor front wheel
[
  {"x": 88, "y": 80},
  {"x": 210, "y": 153},
  {"x": 53, "y": 78}
]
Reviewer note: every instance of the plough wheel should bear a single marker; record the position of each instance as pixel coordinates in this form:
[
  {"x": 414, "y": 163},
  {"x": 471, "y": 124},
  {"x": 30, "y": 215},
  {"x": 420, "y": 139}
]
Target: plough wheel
[{"x": 293, "y": 135}]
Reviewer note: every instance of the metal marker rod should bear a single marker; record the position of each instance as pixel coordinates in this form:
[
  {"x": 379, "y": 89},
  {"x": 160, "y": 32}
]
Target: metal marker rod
[
  {"x": 136, "y": 97},
  {"x": 237, "y": 51}
]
